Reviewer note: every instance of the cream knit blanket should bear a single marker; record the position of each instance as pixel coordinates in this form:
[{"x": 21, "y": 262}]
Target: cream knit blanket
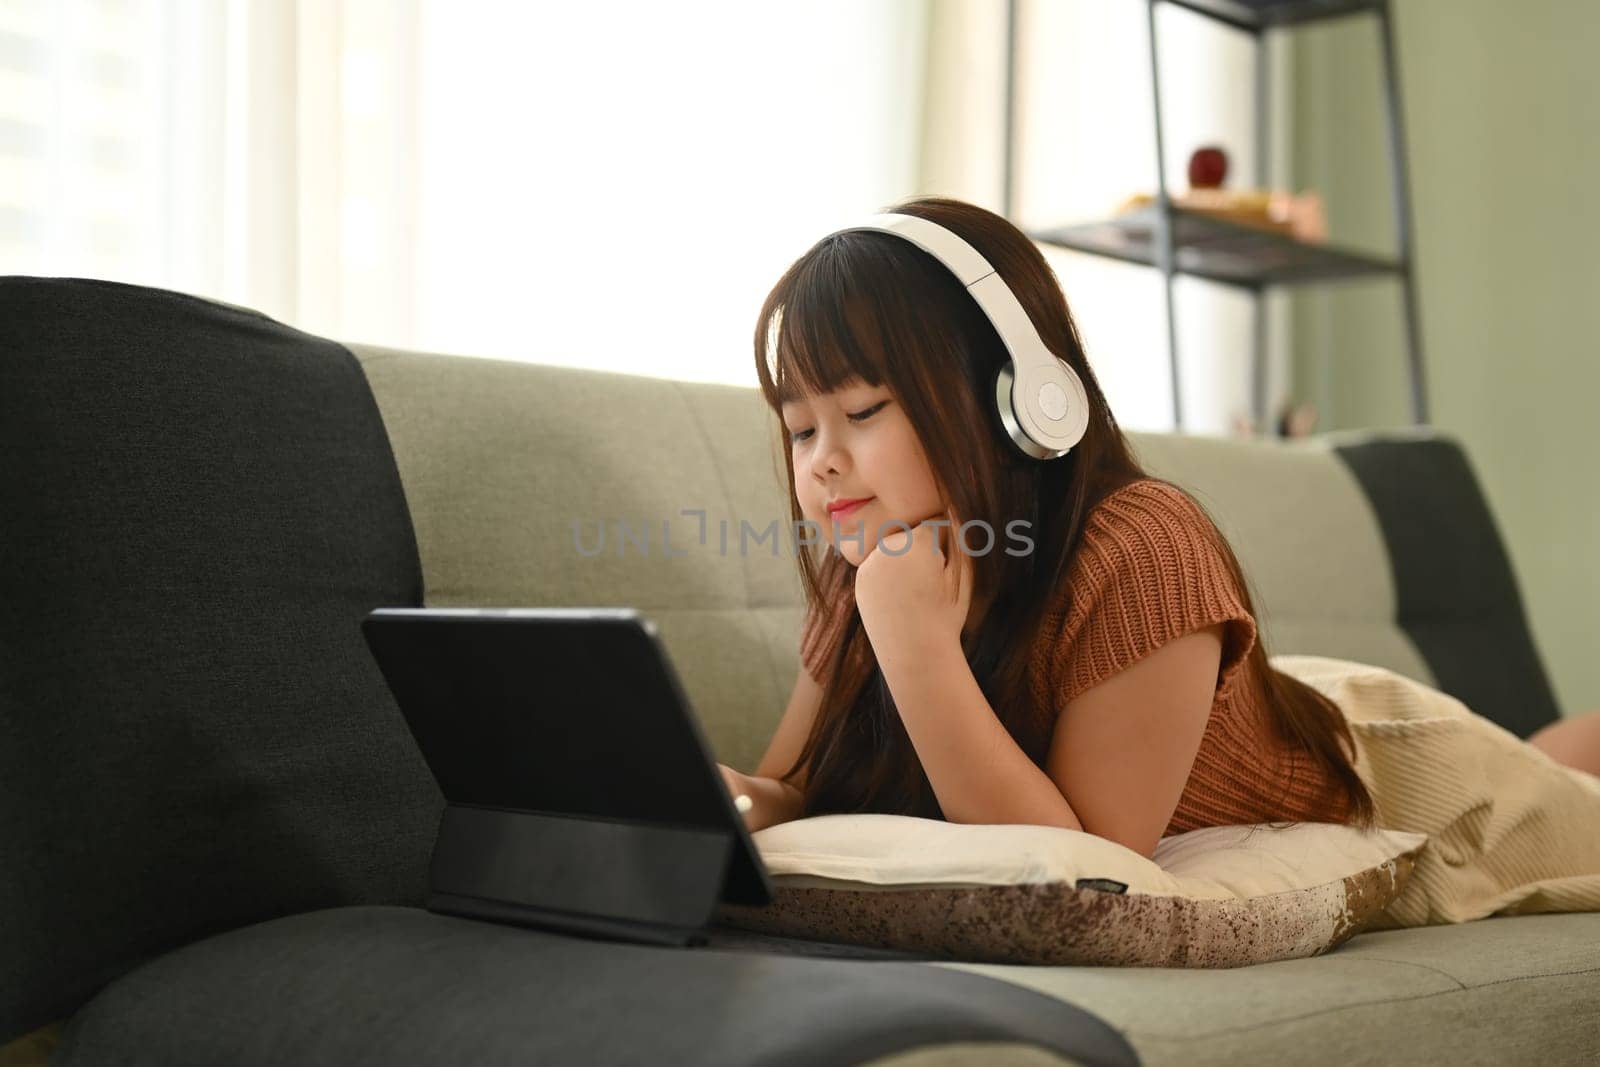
[{"x": 1511, "y": 831}]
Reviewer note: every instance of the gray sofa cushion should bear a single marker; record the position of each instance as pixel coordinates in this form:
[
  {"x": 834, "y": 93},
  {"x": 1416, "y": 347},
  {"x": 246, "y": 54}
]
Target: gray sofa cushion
[
  {"x": 501, "y": 459},
  {"x": 204, "y": 503},
  {"x": 1323, "y": 528},
  {"x": 1508, "y": 990},
  {"x": 200, "y": 505},
  {"x": 1375, "y": 546},
  {"x": 397, "y": 986},
  {"x": 1455, "y": 592}
]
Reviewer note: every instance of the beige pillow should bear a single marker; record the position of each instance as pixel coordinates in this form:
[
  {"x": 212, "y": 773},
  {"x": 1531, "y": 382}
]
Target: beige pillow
[{"x": 1224, "y": 896}]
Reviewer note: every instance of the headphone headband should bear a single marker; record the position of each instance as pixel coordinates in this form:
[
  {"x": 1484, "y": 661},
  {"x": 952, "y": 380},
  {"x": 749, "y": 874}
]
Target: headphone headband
[{"x": 1040, "y": 399}]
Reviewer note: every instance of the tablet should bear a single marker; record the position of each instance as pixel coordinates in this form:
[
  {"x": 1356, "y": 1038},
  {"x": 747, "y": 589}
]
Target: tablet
[{"x": 580, "y": 791}]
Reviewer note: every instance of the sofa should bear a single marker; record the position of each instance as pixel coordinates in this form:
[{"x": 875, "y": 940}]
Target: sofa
[{"x": 217, "y": 827}]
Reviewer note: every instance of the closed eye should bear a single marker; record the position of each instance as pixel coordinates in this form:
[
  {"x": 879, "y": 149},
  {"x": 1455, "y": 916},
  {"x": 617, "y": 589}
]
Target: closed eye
[{"x": 860, "y": 416}]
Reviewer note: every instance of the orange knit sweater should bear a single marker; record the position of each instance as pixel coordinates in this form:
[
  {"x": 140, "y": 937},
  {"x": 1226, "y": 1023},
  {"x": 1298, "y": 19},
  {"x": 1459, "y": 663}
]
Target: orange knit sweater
[{"x": 1147, "y": 571}]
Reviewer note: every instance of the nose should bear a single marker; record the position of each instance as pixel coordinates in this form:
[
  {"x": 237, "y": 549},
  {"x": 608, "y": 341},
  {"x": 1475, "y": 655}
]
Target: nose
[{"x": 829, "y": 457}]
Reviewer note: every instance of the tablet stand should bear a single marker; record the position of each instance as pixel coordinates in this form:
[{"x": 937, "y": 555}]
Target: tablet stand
[{"x": 617, "y": 880}]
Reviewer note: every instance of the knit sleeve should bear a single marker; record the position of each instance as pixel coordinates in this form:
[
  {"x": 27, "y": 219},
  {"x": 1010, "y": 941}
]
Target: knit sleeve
[{"x": 1150, "y": 569}]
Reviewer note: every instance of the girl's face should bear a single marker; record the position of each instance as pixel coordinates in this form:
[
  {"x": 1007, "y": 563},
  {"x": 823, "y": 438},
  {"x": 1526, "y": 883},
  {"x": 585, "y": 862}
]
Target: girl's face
[{"x": 852, "y": 443}]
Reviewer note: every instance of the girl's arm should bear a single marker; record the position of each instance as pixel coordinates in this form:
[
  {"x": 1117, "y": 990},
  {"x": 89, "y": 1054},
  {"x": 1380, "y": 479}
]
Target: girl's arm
[
  {"x": 1124, "y": 747},
  {"x": 805, "y": 699},
  {"x": 978, "y": 773},
  {"x": 772, "y": 801}
]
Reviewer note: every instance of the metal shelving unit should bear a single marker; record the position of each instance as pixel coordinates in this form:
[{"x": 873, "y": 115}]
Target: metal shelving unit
[{"x": 1176, "y": 241}]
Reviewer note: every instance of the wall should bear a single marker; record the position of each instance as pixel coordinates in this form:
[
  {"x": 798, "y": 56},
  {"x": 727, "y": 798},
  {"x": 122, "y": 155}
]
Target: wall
[{"x": 1503, "y": 138}]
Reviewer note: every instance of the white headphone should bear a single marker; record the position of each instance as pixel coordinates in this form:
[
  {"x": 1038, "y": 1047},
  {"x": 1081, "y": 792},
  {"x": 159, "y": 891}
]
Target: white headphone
[{"x": 1040, "y": 398}]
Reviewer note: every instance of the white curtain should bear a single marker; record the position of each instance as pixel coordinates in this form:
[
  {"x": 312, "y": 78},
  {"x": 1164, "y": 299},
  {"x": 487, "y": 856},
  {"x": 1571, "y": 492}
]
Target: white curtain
[
  {"x": 619, "y": 185},
  {"x": 248, "y": 150},
  {"x": 609, "y": 184}
]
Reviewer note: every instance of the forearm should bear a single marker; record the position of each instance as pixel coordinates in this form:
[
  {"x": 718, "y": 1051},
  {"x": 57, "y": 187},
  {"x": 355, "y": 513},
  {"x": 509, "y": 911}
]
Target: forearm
[
  {"x": 773, "y": 801},
  {"x": 978, "y": 772}
]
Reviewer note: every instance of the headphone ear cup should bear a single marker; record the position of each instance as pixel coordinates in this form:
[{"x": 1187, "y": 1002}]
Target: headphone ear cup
[
  {"x": 1016, "y": 423},
  {"x": 1004, "y": 381},
  {"x": 1005, "y": 417}
]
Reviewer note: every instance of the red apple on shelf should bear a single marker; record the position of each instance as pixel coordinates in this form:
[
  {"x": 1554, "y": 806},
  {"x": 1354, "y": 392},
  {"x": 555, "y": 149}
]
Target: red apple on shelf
[{"x": 1208, "y": 167}]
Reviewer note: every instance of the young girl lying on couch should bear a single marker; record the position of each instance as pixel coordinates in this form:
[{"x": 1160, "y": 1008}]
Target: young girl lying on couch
[{"x": 1095, "y": 666}]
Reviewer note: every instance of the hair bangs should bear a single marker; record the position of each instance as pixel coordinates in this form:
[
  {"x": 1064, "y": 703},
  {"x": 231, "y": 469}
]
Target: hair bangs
[{"x": 838, "y": 313}]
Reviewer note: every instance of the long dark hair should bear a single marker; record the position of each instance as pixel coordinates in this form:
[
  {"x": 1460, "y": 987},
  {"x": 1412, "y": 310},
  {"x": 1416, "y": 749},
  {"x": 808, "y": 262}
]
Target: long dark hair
[{"x": 857, "y": 305}]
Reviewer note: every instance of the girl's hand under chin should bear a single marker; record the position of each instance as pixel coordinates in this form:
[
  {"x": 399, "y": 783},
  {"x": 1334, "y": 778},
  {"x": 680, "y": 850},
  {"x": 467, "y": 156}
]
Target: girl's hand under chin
[{"x": 919, "y": 591}]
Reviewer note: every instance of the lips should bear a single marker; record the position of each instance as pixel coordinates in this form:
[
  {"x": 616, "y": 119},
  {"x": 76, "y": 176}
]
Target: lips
[{"x": 838, "y": 509}]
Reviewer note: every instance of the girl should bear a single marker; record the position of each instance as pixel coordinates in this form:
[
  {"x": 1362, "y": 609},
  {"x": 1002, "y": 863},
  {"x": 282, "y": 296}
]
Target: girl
[{"x": 1102, "y": 673}]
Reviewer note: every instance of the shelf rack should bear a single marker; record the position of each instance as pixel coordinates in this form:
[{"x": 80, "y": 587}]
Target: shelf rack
[{"x": 1177, "y": 241}]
